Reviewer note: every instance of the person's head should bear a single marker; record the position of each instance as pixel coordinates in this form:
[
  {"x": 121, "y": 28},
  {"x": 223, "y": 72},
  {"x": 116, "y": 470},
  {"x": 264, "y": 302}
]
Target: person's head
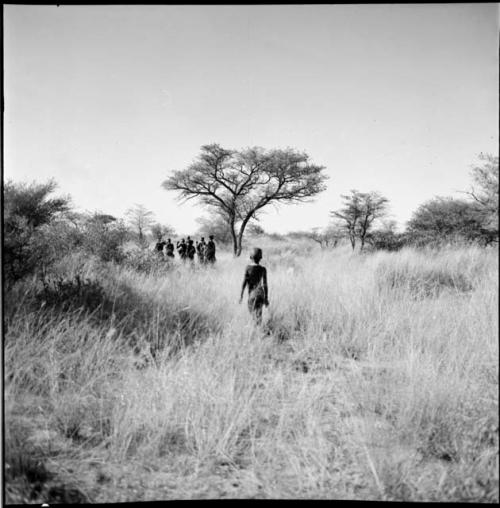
[
  {"x": 183, "y": 241},
  {"x": 168, "y": 240},
  {"x": 202, "y": 238},
  {"x": 211, "y": 237},
  {"x": 256, "y": 255}
]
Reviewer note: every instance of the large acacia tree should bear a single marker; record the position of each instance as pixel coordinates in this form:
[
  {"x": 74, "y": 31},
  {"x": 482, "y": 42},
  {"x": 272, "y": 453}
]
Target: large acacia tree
[{"x": 239, "y": 184}]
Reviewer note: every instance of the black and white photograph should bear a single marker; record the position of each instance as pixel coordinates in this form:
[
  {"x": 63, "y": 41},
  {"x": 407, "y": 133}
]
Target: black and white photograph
[{"x": 250, "y": 252}]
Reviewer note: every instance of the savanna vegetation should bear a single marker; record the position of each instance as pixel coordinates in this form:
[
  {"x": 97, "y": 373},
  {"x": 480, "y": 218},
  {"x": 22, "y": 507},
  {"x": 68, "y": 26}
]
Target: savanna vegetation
[{"x": 127, "y": 378}]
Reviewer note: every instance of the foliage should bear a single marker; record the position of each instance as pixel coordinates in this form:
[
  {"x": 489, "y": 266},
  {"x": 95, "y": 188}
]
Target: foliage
[
  {"x": 146, "y": 261},
  {"x": 28, "y": 211},
  {"x": 255, "y": 230},
  {"x": 485, "y": 191},
  {"x": 386, "y": 240},
  {"x": 104, "y": 238},
  {"x": 162, "y": 231},
  {"x": 359, "y": 212},
  {"x": 445, "y": 219},
  {"x": 216, "y": 225},
  {"x": 239, "y": 184},
  {"x": 327, "y": 237}
]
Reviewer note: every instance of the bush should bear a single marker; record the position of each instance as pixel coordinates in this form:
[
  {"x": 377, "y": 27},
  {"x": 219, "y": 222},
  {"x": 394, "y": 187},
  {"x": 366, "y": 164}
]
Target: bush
[
  {"x": 147, "y": 262},
  {"x": 104, "y": 239},
  {"x": 28, "y": 213},
  {"x": 447, "y": 220},
  {"x": 386, "y": 240}
]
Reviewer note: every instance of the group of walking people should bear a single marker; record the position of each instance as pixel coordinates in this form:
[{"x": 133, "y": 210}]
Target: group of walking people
[
  {"x": 187, "y": 250},
  {"x": 254, "y": 278}
]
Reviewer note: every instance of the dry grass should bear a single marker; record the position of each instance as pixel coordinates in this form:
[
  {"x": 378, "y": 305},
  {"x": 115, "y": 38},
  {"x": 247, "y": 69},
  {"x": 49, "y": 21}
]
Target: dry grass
[{"x": 374, "y": 377}]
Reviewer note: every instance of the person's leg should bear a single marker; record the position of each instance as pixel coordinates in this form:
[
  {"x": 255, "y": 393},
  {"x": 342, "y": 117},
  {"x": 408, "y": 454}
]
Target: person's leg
[
  {"x": 255, "y": 308},
  {"x": 258, "y": 314}
]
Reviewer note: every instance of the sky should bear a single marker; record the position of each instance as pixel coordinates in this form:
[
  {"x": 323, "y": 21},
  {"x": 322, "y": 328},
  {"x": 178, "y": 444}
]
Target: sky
[{"x": 109, "y": 100}]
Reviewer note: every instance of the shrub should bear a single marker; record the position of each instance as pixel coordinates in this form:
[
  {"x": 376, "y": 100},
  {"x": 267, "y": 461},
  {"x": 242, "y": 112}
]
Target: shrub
[
  {"x": 104, "y": 239},
  {"x": 447, "y": 220},
  {"x": 27, "y": 210},
  {"x": 386, "y": 240},
  {"x": 146, "y": 261}
]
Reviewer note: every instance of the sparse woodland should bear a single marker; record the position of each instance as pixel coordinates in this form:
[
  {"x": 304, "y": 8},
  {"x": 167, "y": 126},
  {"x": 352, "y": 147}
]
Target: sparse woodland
[{"x": 127, "y": 378}]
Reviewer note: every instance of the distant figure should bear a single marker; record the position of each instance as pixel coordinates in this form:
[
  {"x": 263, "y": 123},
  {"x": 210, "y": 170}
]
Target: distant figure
[
  {"x": 256, "y": 280},
  {"x": 210, "y": 250},
  {"x": 182, "y": 249},
  {"x": 170, "y": 249},
  {"x": 191, "y": 250},
  {"x": 159, "y": 246},
  {"x": 201, "y": 250}
]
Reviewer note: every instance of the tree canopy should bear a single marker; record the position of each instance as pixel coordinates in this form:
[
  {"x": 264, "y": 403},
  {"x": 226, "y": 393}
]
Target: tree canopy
[
  {"x": 239, "y": 184},
  {"x": 446, "y": 219}
]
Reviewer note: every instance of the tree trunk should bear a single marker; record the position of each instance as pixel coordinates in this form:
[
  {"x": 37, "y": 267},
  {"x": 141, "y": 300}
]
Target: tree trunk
[
  {"x": 352, "y": 237},
  {"x": 362, "y": 243},
  {"x": 240, "y": 234},
  {"x": 235, "y": 239}
]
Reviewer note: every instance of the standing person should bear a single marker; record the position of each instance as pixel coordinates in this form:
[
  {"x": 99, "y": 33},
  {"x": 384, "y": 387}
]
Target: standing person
[
  {"x": 182, "y": 249},
  {"x": 159, "y": 246},
  {"x": 256, "y": 279},
  {"x": 201, "y": 250},
  {"x": 170, "y": 249},
  {"x": 191, "y": 251},
  {"x": 210, "y": 250}
]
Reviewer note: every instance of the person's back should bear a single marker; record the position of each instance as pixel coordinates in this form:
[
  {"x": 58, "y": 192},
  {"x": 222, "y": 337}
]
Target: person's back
[
  {"x": 256, "y": 279},
  {"x": 210, "y": 250},
  {"x": 182, "y": 249},
  {"x": 159, "y": 245},
  {"x": 170, "y": 249},
  {"x": 190, "y": 250},
  {"x": 200, "y": 249}
]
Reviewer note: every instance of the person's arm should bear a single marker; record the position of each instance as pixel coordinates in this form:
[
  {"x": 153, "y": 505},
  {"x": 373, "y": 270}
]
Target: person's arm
[
  {"x": 264, "y": 280},
  {"x": 244, "y": 285}
]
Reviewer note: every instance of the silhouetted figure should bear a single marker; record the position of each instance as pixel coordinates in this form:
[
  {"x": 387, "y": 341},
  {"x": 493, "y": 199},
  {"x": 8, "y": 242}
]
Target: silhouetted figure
[
  {"x": 170, "y": 249},
  {"x": 210, "y": 250},
  {"x": 159, "y": 246},
  {"x": 201, "y": 250},
  {"x": 182, "y": 249},
  {"x": 191, "y": 250},
  {"x": 256, "y": 280}
]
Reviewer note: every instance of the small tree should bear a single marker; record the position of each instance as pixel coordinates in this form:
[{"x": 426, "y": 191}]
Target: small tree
[
  {"x": 104, "y": 237},
  {"x": 237, "y": 185},
  {"x": 327, "y": 237},
  {"x": 140, "y": 220},
  {"x": 358, "y": 214},
  {"x": 28, "y": 208}
]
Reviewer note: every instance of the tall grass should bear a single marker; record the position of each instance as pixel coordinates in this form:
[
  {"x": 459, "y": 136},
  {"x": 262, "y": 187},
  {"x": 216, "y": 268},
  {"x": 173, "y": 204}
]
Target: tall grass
[{"x": 373, "y": 377}]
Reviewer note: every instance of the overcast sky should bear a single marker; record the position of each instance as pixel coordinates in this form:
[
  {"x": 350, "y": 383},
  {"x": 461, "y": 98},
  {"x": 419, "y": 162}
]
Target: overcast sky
[{"x": 107, "y": 100}]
